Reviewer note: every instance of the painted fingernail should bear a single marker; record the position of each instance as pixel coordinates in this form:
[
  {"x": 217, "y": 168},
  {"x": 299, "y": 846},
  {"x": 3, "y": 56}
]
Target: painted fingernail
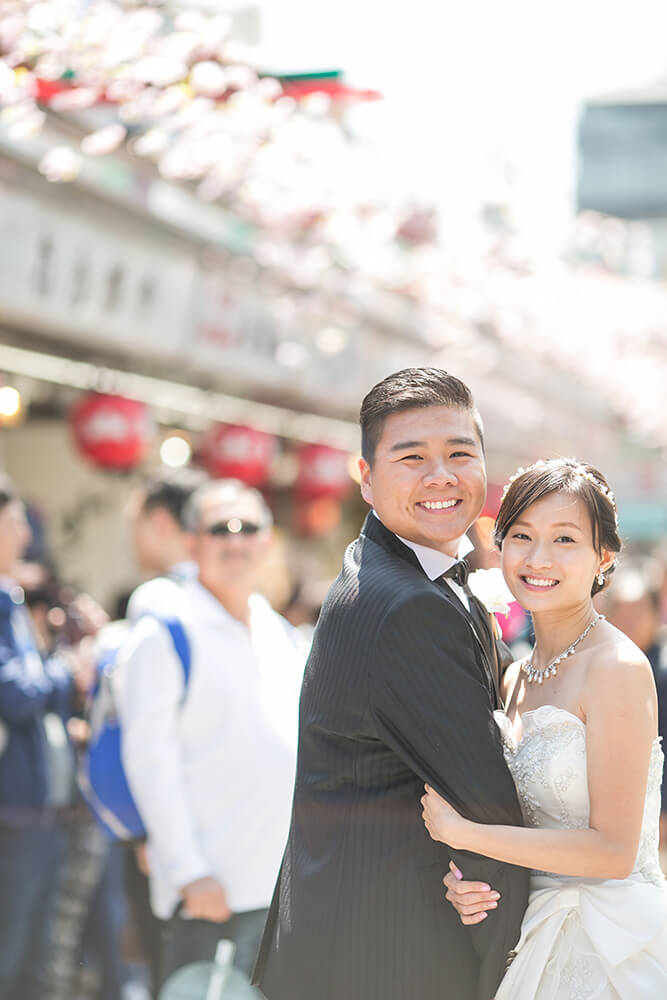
[
  {"x": 492, "y": 906},
  {"x": 483, "y": 916},
  {"x": 486, "y": 888},
  {"x": 495, "y": 895}
]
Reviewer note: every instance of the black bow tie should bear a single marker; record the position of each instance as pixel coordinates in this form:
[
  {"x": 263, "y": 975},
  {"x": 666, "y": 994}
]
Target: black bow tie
[{"x": 458, "y": 573}]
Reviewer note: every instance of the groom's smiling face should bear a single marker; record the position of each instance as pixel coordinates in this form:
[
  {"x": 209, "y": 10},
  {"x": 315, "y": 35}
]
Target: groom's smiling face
[{"x": 427, "y": 480}]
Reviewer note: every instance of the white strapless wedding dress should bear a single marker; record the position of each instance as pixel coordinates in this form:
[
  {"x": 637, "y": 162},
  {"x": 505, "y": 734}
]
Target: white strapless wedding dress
[{"x": 583, "y": 939}]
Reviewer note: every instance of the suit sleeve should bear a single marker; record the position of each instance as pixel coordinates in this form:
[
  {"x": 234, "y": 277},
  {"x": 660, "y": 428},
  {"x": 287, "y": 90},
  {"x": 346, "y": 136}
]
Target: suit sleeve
[{"x": 431, "y": 706}]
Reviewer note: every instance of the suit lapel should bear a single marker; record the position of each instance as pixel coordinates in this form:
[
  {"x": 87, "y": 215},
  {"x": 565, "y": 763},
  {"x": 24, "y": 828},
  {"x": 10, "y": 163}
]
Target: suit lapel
[
  {"x": 480, "y": 631},
  {"x": 481, "y": 619},
  {"x": 374, "y": 529}
]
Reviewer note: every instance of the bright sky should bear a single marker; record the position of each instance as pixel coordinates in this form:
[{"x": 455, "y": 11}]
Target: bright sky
[{"x": 472, "y": 84}]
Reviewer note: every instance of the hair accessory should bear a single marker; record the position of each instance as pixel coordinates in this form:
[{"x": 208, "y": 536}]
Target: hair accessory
[
  {"x": 579, "y": 470},
  {"x": 519, "y": 472},
  {"x": 582, "y": 471}
]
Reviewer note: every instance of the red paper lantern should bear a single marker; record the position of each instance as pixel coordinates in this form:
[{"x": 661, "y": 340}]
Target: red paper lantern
[
  {"x": 323, "y": 472},
  {"x": 111, "y": 431},
  {"x": 237, "y": 452},
  {"x": 316, "y": 518}
]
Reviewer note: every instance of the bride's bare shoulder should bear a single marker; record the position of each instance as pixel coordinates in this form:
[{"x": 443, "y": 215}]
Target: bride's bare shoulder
[
  {"x": 619, "y": 668},
  {"x": 618, "y": 652}
]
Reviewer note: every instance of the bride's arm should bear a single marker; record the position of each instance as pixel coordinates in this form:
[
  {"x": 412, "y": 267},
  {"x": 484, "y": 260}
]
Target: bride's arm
[{"x": 621, "y": 712}]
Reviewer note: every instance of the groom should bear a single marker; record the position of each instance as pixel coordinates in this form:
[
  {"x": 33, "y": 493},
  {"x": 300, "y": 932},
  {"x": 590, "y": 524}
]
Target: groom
[{"x": 399, "y": 690}]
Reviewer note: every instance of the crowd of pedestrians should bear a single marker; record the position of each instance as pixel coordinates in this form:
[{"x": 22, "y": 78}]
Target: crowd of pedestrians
[
  {"x": 209, "y": 732},
  {"x": 209, "y": 753}
]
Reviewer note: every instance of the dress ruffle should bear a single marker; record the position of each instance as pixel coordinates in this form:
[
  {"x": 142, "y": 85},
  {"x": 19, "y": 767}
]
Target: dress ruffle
[
  {"x": 579, "y": 941},
  {"x": 583, "y": 939}
]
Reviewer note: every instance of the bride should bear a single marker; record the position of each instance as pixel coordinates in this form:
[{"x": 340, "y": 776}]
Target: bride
[{"x": 580, "y": 738}]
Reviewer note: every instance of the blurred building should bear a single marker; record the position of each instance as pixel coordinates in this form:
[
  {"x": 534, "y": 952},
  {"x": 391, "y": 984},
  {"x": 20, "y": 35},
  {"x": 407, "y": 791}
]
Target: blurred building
[
  {"x": 622, "y": 168},
  {"x": 211, "y": 278}
]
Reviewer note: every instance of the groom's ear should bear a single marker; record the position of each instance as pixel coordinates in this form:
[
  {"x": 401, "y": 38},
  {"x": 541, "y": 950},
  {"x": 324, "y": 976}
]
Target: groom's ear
[{"x": 365, "y": 481}]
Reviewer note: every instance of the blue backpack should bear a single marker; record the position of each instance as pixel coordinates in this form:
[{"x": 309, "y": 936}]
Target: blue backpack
[{"x": 101, "y": 776}]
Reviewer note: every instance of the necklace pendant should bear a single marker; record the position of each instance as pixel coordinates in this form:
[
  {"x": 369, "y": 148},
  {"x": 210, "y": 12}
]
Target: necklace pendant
[{"x": 534, "y": 675}]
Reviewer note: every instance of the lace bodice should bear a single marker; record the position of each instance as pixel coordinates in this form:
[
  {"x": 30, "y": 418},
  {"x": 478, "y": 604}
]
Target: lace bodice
[{"x": 548, "y": 765}]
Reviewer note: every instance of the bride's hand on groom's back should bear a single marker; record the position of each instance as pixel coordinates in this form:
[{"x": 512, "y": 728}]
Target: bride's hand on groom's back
[{"x": 471, "y": 900}]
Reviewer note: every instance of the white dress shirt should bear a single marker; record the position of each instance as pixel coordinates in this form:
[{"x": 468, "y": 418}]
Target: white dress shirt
[
  {"x": 162, "y": 595},
  {"x": 435, "y": 563},
  {"x": 212, "y": 771}
]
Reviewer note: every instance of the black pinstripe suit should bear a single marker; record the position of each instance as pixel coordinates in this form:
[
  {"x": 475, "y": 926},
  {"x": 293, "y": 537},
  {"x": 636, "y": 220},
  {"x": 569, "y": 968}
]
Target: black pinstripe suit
[{"x": 394, "y": 695}]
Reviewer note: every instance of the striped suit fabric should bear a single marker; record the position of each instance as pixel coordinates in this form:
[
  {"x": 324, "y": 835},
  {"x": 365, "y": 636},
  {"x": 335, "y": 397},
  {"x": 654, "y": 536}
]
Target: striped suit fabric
[{"x": 395, "y": 694}]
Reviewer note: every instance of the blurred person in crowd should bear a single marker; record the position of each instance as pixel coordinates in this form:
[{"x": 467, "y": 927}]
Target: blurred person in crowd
[
  {"x": 120, "y": 605},
  {"x": 633, "y": 602},
  {"x": 161, "y": 545},
  {"x": 36, "y": 770},
  {"x": 304, "y": 605},
  {"x": 87, "y": 912},
  {"x": 162, "y": 551},
  {"x": 211, "y": 763},
  {"x": 89, "y": 906},
  {"x": 61, "y": 618},
  {"x": 659, "y": 556},
  {"x": 633, "y": 606},
  {"x": 40, "y": 602}
]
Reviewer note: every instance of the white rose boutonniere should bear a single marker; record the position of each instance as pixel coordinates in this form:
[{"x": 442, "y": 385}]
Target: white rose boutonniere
[{"x": 489, "y": 586}]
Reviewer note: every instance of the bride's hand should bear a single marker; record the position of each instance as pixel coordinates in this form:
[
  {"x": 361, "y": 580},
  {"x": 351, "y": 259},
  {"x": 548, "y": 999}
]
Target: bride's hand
[
  {"x": 471, "y": 900},
  {"x": 442, "y": 820}
]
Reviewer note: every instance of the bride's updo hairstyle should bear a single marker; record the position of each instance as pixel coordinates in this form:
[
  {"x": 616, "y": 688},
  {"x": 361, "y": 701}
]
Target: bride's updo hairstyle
[{"x": 577, "y": 479}]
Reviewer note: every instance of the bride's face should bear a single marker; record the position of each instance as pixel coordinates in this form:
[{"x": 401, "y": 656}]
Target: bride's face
[{"x": 548, "y": 557}]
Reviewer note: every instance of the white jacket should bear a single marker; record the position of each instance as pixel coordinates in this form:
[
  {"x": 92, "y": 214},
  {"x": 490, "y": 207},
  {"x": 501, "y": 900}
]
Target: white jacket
[{"x": 212, "y": 771}]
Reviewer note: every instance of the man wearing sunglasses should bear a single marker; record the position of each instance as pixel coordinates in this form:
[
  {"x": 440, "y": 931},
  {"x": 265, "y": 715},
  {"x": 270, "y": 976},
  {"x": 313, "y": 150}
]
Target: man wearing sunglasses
[{"x": 211, "y": 761}]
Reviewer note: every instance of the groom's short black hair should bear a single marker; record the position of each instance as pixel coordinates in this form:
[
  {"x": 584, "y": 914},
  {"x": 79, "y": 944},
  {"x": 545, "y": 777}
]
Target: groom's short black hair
[{"x": 410, "y": 389}]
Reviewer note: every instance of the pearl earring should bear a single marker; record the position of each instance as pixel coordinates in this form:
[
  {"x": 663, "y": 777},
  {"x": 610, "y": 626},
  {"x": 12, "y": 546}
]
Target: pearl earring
[{"x": 600, "y": 579}]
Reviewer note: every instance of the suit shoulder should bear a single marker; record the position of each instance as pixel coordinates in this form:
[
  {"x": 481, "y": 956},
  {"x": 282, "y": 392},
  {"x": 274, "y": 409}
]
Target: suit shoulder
[
  {"x": 386, "y": 586},
  {"x": 381, "y": 572}
]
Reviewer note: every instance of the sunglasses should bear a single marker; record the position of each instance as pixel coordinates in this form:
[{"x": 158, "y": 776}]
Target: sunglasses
[{"x": 234, "y": 526}]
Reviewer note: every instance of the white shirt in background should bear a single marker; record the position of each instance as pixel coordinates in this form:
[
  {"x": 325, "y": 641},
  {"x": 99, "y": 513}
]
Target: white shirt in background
[
  {"x": 213, "y": 771},
  {"x": 162, "y": 595}
]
